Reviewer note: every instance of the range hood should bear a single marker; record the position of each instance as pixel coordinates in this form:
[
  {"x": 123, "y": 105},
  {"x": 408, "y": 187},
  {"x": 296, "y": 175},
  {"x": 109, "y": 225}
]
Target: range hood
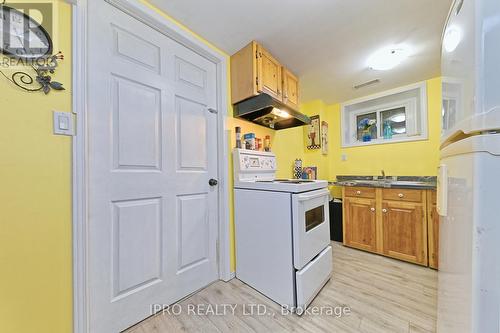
[{"x": 266, "y": 111}]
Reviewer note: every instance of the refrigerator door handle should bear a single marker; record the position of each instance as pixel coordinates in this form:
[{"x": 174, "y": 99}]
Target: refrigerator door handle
[{"x": 442, "y": 190}]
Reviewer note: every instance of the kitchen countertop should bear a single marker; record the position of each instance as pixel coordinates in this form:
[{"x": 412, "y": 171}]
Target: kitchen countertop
[{"x": 409, "y": 182}]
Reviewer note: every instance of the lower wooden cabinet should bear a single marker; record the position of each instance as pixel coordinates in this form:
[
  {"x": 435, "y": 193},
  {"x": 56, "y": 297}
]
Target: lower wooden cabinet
[
  {"x": 433, "y": 229},
  {"x": 361, "y": 232},
  {"x": 404, "y": 231},
  {"x": 391, "y": 222}
]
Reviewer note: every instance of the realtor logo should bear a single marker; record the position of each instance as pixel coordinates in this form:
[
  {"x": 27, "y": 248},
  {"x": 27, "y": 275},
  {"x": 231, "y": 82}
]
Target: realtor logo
[{"x": 26, "y": 30}]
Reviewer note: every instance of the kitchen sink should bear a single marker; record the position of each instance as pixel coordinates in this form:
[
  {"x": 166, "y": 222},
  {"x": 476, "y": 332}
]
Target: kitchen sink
[
  {"x": 358, "y": 182},
  {"x": 383, "y": 183},
  {"x": 407, "y": 183}
]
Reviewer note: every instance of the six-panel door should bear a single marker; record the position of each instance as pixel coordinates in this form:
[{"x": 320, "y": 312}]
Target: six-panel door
[
  {"x": 152, "y": 225},
  {"x": 360, "y": 223},
  {"x": 404, "y": 231}
]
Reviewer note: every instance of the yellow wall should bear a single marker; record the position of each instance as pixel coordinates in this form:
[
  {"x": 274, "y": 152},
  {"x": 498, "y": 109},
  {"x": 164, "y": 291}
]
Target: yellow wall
[
  {"x": 290, "y": 144},
  {"x": 418, "y": 158},
  {"x": 35, "y": 196}
]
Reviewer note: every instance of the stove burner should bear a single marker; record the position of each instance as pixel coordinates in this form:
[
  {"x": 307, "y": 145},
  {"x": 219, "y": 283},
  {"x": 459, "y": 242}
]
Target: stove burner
[
  {"x": 286, "y": 181},
  {"x": 294, "y": 181}
]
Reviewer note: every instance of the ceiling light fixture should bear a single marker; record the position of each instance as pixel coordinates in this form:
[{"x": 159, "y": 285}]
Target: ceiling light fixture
[
  {"x": 451, "y": 39},
  {"x": 388, "y": 57}
]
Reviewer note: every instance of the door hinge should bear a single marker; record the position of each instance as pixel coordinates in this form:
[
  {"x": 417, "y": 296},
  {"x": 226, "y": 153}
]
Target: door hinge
[
  {"x": 257, "y": 81},
  {"x": 256, "y": 54}
]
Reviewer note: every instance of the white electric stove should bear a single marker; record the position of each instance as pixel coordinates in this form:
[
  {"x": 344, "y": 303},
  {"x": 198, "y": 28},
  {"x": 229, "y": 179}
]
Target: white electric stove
[
  {"x": 257, "y": 170},
  {"x": 282, "y": 231}
]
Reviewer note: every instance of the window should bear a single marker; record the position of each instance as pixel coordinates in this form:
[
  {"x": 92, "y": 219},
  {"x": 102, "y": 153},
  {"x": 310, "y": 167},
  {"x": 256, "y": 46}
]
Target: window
[
  {"x": 315, "y": 217},
  {"x": 395, "y": 116}
]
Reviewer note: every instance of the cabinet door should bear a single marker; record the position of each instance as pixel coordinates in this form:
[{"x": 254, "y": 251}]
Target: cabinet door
[
  {"x": 244, "y": 73},
  {"x": 268, "y": 74},
  {"x": 360, "y": 224},
  {"x": 404, "y": 231},
  {"x": 290, "y": 89},
  {"x": 433, "y": 230}
]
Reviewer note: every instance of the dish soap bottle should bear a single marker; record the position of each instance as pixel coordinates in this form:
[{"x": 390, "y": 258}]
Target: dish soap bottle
[{"x": 387, "y": 130}]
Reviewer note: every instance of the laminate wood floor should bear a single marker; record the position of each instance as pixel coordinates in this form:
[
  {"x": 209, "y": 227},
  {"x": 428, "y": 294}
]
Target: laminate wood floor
[{"x": 383, "y": 295}]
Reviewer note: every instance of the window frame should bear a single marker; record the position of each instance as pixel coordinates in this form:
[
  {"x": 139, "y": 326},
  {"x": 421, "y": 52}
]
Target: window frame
[{"x": 413, "y": 120}]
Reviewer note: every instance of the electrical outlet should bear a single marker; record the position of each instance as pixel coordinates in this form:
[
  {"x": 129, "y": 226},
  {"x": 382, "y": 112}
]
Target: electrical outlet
[{"x": 344, "y": 157}]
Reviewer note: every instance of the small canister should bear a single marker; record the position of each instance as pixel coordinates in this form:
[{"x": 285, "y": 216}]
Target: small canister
[{"x": 297, "y": 169}]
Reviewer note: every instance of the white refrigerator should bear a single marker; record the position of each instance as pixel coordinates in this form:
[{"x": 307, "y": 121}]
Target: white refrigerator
[{"x": 469, "y": 173}]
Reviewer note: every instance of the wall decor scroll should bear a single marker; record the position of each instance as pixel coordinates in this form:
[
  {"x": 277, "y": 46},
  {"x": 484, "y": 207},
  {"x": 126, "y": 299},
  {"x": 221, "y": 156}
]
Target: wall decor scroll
[
  {"x": 324, "y": 138},
  {"x": 29, "y": 62}
]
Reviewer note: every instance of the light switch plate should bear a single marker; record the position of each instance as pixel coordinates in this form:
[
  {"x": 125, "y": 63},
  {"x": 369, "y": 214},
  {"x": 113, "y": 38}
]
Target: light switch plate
[{"x": 64, "y": 123}]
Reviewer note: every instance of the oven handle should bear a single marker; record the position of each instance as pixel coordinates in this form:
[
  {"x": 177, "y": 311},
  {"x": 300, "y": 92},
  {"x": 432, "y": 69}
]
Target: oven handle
[{"x": 312, "y": 195}]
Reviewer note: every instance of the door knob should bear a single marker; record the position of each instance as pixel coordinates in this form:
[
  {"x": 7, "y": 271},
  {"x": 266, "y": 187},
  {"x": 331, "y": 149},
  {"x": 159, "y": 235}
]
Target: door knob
[
  {"x": 384, "y": 210},
  {"x": 213, "y": 182},
  {"x": 372, "y": 209}
]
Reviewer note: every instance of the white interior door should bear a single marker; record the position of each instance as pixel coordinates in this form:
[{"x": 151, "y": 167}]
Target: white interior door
[{"x": 152, "y": 228}]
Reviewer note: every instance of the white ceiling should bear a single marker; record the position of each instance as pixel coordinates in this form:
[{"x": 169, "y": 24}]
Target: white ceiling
[{"x": 325, "y": 42}]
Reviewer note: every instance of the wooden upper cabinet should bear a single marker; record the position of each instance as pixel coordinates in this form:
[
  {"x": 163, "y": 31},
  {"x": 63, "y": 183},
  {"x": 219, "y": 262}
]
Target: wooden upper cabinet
[
  {"x": 360, "y": 223},
  {"x": 254, "y": 70},
  {"x": 404, "y": 231},
  {"x": 244, "y": 73},
  {"x": 268, "y": 74},
  {"x": 290, "y": 89}
]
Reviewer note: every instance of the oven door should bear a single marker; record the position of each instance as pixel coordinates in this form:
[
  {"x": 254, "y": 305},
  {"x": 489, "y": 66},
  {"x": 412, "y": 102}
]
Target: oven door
[{"x": 311, "y": 225}]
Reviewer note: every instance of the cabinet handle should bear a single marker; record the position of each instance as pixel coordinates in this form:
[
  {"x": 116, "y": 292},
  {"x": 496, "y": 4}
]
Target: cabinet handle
[
  {"x": 358, "y": 192},
  {"x": 372, "y": 209},
  {"x": 384, "y": 210},
  {"x": 401, "y": 195}
]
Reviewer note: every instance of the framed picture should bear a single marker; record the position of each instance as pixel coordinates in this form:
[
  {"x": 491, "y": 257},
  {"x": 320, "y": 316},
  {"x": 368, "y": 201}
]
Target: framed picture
[
  {"x": 310, "y": 173},
  {"x": 324, "y": 138},
  {"x": 314, "y": 133}
]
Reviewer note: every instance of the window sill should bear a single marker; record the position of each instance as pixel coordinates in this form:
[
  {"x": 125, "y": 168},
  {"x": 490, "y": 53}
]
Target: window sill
[{"x": 385, "y": 142}]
